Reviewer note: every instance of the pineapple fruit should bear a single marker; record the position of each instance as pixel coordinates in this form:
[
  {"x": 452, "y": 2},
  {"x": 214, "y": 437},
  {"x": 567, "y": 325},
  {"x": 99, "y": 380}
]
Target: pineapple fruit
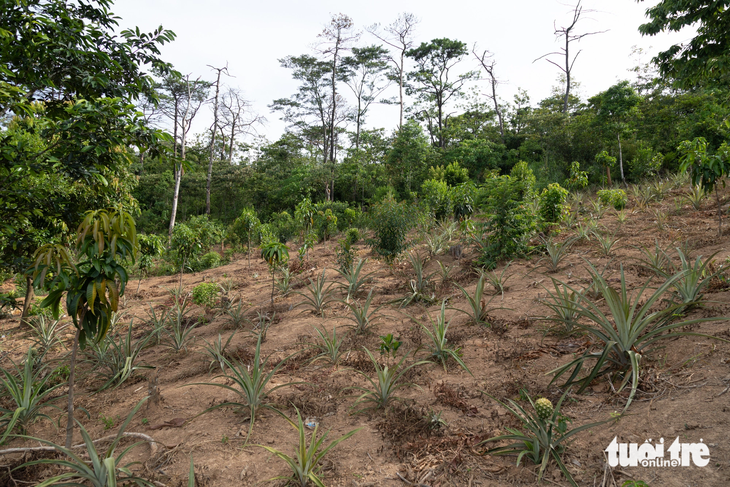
[{"x": 544, "y": 408}]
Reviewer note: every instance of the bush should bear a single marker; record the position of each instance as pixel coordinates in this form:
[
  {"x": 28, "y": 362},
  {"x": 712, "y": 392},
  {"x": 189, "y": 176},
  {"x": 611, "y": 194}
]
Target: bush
[
  {"x": 552, "y": 203},
  {"x": 186, "y": 245},
  {"x": 325, "y": 224},
  {"x": 208, "y": 231},
  {"x": 453, "y": 174},
  {"x": 462, "y": 199},
  {"x": 345, "y": 256},
  {"x": 578, "y": 179},
  {"x": 510, "y": 222},
  {"x": 283, "y": 226},
  {"x": 205, "y": 294},
  {"x": 352, "y": 218},
  {"x": 210, "y": 260},
  {"x": 352, "y": 235},
  {"x": 391, "y": 221},
  {"x": 613, "y": 197},
  {"x": 437, "y": 197}
]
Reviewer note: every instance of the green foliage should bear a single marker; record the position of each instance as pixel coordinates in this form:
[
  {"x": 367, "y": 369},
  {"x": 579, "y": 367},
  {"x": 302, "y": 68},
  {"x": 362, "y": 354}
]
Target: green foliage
[
  {"x": 386, "y": 383},
  {"x": 206, "y": 294},
  {"x": 26, "y": 391},
  {"x": 186, "y": 244},
  {"x": 105, "y": 240},
  {"x": 115, "y": 358},
  {"x": 436, "y": 195},
  {"x": 304, "y": 464},
  {"x": 391, "y": 222},
  {"x": 304, "y": 215},
  {"x": 578, "y": 179},
  {"x": 325, "y": 224},
  {"x": 329, "y": 348},
  {"x": 275, "y": 254},
  {"x": 543, "y": 438},
  {"x": 510, "y": 222},
  {"x": 102, "y": 469},
  {"x": 245, "y": 227},
  {"x": 478, "y": 309},
  {"x": 354, "y": 280},
  {"x": 389, "y": 345},
  {"x": 362, "y": 317},
  {"x": 150, "y": 246},
  {"x": 439, "y": 348},
  {"x": 630, "y": 329},
  {"x": 345, "y": 255},
  {"x": 283, "y": 226},
  {"x": 420, "y": 284},
  {"x": 210, "y": 260},
  {"x": 462, "y": 199},
  {"x": 317, "y": 295},
  {"x": 613, "y": 197},
  {"x": 249, "y": 383},
  {"x": 45, "y": 332},
  {"x": 452, "y": 174},
  {"x": 552, "y": 203},
  {"x": 352, "y": 235}
]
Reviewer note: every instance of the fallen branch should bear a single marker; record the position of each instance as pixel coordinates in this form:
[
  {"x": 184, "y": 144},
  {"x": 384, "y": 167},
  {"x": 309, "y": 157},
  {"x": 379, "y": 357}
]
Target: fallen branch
[{"x": 153, "y": 444}]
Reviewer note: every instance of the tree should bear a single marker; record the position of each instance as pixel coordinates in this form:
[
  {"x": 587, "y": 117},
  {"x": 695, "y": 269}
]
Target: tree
[
  {"x": 236, "y": 118},
  {"x": 614, "y": 106},
  {"x": 213, "y": 129},
  {"x": 67, "y": 93},
  {"x": 567, "y": 33},
  {"x": 400, "y": 34},
  {"x": 364, "y": 75},
  {"x": 406, "y": 160},
  {"x": 433, "y": 81},
  {"x": 181, "y": 100},
  {"x": 106, "y": 240},
  {"x": 486, "y": 60},
  {"x": 337, "y": 37},
  {"x": 705, "y": 59},
  {"x": 706, "y": 169}
]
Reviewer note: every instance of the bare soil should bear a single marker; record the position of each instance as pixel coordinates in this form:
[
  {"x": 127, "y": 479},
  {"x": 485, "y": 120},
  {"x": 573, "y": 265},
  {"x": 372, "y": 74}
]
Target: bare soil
[{"x": 683, "y": 391}]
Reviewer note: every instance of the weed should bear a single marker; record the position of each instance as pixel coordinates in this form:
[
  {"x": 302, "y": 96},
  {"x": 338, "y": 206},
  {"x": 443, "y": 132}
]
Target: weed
[{"x": 107, "y": 421}]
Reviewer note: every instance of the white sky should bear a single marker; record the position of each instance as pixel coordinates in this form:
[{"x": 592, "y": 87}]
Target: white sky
[{"x": 252, "y": 36}]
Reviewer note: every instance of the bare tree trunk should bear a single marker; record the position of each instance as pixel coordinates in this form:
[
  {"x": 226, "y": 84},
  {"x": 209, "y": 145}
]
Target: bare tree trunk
[
  {"x": 175, "y": 196},
  {"x": 214, "y": 129},
  {"x": 620, "y": 158},
  {"x": 71, "y": 377},
  {"x": 28, "y": 300}
]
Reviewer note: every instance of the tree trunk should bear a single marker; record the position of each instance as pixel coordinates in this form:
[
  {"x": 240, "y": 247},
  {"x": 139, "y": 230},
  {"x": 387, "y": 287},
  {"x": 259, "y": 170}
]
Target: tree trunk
[
  {"x": 28, "y": 300},
  {"x": 212, "y": 141},
  {"x": 71, "y": 377},
  {"x": 608, "y": 175},
  {"x": 620, "y": 158},
  {"x": 175, "y": 195}
]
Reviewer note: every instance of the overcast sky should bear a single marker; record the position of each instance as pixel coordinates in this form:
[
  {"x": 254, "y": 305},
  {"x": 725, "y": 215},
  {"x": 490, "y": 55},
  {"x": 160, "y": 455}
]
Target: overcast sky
[{"x": 252, "y": 36}]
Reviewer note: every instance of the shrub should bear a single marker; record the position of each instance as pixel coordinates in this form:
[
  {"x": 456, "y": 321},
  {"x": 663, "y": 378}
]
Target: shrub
[
  {"x": 325, "y": 224},
  {"x": 352, "y": 217},
  {"x": 186, "y": 244},
  {"x": 283, "y": 226},
  {"x": 208, "y": 231},
  {"x": 244, "y": 229},
  {"x": 613, "y": 197},
  {"x": 436, "y": 196},
  {"x": 462, "y": 199},
  {"x": 552, "y": 203},
  {"x": 510, "y": 221},
  {"x": 345, "y": 255},
  {"x": 391, "y": 221},
  {"x": 210, "y": 261},
  {"x": 205, "y": 294},
  {"x": 453, "y": 174},
  {"x": 352, "y": 235},
  {"x": 578, "y": 179}
]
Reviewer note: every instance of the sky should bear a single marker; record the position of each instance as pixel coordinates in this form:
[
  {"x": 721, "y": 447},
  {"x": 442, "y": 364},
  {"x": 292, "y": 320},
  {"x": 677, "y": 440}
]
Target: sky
[{"x": 251, "y": 38}]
